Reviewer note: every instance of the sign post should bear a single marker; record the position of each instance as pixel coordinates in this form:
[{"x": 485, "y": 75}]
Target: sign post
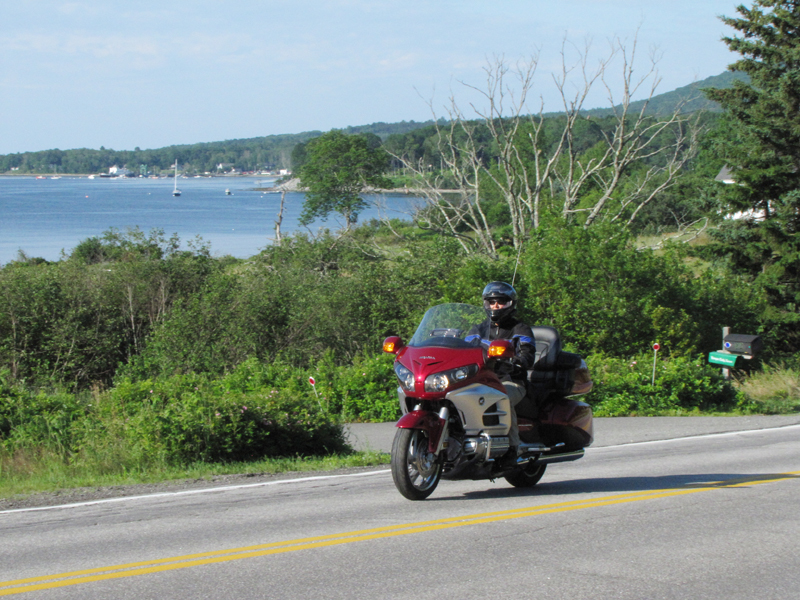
[
  {"x": 726, "y": 373},
  {"x": 313, "y": 383},
  {"x": 656, "y": 348}
]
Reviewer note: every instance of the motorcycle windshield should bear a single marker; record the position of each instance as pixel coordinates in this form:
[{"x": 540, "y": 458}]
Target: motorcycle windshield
[{"x": 448, "y": 325}]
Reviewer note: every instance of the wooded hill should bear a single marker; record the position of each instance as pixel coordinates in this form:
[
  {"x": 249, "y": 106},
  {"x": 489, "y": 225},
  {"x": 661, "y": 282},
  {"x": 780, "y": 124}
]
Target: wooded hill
[{"x": 251, "y": 154}]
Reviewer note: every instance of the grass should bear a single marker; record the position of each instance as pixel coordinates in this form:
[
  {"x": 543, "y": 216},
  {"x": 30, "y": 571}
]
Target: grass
[
  {"x": 25, "y": 473},
  {"x": 774, "y": 390}
]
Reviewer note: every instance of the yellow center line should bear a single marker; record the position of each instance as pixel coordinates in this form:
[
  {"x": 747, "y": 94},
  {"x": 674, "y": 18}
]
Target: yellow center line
[{"x": 19, "y": 586}]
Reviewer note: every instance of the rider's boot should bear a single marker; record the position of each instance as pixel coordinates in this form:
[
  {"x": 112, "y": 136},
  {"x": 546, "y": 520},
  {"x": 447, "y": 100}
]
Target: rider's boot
[{"x": 509, "y": 459}]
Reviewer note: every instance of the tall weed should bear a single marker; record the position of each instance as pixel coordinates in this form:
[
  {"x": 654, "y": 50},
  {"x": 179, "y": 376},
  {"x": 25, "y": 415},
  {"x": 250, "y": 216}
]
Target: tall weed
[{"x": 774, "y": 390}]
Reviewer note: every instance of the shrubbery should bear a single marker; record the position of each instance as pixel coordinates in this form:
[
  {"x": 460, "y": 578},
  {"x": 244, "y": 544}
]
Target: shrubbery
[
  {"x": 683, "y": 385},
  {"x": 176, "y": 420},
  {"x": 167, "y": 357},
  {"x": 604, "y": 295}
]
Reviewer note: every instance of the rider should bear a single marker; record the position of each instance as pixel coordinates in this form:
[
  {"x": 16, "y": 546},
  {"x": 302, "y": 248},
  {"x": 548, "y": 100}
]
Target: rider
[{"x": 500, "y": 303}]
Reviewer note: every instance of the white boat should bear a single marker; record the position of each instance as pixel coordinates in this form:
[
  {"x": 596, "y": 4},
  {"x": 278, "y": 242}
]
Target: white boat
[
  {"x": 227, "y": 192},
  {"x": 176, "y": 191}
]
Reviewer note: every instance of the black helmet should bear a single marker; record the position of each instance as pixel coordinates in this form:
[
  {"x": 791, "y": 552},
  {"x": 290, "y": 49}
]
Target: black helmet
[{"x": 506, "y": 294}]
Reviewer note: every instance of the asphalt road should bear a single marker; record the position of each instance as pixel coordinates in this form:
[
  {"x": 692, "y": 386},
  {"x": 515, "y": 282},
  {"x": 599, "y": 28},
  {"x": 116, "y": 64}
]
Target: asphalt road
[
  {"x": 700, "y": 516},
  {"x": 607, "y": 432}
]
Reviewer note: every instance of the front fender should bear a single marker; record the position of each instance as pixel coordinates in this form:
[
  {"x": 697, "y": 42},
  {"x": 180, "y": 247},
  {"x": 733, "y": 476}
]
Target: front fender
[{"x": 427, "y": 421}]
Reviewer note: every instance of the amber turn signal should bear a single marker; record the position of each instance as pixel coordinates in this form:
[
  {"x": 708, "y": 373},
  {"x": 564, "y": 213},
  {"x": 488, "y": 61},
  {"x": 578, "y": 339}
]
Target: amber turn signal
[
  {"x": 392, "y": 344},
  {"x": 501, "y": 349}
]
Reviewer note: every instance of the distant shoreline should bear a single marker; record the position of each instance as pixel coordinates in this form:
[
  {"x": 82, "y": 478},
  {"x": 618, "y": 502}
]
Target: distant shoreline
[{"x": 293, "y": 185}]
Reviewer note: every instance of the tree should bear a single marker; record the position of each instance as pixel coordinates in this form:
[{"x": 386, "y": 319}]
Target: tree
[
  {"x": 531, "y": 163},
  {"x": 339, "y": 168},
  {"x": 760, "y": 141}
]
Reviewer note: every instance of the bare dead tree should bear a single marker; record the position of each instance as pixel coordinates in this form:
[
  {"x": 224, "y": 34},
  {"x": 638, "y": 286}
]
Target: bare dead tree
[
  {"x": 525, "y": 173},
  {"x": 458, "y": 211},
  {"x": 635, "y": 139},
  {"x": 280, "y": 219}
]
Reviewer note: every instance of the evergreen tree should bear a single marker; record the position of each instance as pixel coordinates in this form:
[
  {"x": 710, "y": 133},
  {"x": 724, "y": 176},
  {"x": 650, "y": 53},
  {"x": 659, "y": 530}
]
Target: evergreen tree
[{"x": 760, "y": 141}]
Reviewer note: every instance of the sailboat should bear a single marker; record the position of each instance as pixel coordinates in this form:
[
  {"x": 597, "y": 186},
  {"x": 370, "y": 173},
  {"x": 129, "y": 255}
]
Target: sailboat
[{"x": 176, "y": 191}]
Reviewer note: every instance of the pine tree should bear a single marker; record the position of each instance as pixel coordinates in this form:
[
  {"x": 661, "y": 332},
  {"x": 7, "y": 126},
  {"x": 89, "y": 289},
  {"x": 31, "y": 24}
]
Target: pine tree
[{"x": 760, "y": 141}]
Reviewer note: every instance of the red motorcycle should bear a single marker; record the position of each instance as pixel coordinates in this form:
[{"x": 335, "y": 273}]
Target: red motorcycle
[{"x": 456, "y": 414}]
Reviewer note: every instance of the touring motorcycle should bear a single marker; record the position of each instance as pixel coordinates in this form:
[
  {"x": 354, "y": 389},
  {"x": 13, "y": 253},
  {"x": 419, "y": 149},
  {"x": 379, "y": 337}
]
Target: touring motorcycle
[{"x": 456, "y": 414}]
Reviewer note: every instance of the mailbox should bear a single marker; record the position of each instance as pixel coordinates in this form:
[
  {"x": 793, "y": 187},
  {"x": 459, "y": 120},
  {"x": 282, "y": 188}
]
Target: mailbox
[
  {"x": 737, "y": 343},
  {"x": 726, "y": 360}
]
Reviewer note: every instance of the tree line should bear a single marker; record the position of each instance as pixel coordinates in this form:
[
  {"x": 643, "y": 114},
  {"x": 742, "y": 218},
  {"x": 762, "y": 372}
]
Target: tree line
[{"x": 251, "y": 154}]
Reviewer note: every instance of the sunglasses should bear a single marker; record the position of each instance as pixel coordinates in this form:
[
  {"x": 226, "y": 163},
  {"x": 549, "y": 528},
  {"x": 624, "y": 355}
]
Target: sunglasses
[{"x": 501, "y": 303}]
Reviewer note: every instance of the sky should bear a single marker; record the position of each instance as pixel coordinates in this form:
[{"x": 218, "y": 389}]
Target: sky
[{"x": 149, "y": 74}]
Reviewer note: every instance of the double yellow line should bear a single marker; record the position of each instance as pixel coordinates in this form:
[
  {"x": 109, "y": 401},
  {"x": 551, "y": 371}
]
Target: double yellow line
[{"x": 20, "y": 586}]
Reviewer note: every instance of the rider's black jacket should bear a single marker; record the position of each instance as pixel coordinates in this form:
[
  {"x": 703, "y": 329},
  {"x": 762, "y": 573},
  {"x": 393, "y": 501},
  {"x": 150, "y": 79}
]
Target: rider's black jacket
[{"x": 512, "y": 329}]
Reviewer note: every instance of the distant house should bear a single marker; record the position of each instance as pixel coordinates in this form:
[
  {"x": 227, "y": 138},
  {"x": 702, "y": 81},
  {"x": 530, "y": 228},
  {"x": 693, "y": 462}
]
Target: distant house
[
  {"x": 223, "y": 166},
  {"x": 725, "y": 175},
  {"x": 119, "y": 171},
  {"x": 284, "y": 172}
]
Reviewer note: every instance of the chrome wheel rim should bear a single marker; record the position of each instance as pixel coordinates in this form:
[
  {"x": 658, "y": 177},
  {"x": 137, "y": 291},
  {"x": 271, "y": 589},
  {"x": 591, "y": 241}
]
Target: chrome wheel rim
[{"x": 422, "y": 465}]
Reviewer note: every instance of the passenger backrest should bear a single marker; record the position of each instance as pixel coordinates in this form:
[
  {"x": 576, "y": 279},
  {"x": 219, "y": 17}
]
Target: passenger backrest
[{"x": 548, "y": 346}]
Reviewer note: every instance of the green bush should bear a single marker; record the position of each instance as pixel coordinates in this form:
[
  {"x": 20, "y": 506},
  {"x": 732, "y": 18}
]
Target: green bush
[
  {"x": 72, "y": 322},
  {"x": 188, "y": 418},
  {"x": 605, "y": 296},
  {"x": 44, "y": 420},
  {"x": 363, "y": 391},
  {"x": 624, "y": 387},
  {"x": 173, "y": 421}
]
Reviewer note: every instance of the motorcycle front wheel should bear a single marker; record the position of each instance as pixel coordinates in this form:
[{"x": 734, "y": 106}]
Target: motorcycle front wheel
[
  {"x": 528, "y": 476},
  {"x": 415, "y": 471}
]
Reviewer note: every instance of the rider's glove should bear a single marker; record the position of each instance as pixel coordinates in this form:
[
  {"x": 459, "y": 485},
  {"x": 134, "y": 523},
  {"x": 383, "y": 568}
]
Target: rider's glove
[{"x": 517, "y": 367}]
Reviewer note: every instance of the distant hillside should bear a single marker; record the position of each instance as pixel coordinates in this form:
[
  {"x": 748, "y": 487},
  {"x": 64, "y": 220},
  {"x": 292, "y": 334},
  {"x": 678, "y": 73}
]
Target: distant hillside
[{"x": 690, "y": 95}]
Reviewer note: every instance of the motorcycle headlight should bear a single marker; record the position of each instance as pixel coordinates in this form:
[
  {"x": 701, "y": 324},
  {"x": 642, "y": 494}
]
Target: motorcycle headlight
[
  {"x": 439, "y": 382},
  {"x": 405, "y": 376}
]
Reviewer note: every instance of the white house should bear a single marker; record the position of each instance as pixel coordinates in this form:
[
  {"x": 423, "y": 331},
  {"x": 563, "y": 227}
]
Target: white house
[
  {"x": 119, "y": 171},
  {"x": 726, "y": 177}
]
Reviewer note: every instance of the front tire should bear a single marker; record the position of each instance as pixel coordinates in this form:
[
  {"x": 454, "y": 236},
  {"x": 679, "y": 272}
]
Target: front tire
[
  {"x": 526, "y": 477},
  {"x": 415, "y": 471}
]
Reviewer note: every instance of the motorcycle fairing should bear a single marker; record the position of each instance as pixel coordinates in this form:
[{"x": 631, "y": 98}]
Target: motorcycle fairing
[{"x": 429, "y": 360}]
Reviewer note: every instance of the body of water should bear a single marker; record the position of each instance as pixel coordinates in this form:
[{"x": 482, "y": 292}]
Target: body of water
[{"x": 44, "y": 217}]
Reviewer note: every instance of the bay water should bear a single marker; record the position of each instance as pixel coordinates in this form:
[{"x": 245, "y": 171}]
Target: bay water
[{"x": 48, "y": 217}]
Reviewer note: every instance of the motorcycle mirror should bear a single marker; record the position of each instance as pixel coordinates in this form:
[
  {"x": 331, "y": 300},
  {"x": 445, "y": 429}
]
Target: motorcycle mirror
[
  {"x": 501, "y": 349},
  {"x": 392, "y": 344}
]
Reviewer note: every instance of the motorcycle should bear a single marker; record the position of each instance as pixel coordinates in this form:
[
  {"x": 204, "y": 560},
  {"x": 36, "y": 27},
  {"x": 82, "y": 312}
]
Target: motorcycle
[{"x": 456, "y": 414}]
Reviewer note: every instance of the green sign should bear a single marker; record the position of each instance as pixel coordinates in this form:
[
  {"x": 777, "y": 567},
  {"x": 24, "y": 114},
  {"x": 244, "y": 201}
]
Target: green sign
[{"x": 724, "y": 359}]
